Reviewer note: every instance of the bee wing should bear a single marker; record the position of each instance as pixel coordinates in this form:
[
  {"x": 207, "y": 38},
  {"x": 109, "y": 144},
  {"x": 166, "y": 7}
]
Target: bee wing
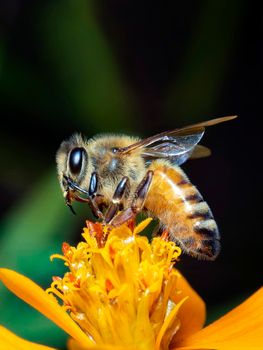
[
  {"x": 177, "y": 150},
  {"x": 195, "y": 152},
  {"x": 200, "y": 152},
  {"x": 177, "y": 145}
]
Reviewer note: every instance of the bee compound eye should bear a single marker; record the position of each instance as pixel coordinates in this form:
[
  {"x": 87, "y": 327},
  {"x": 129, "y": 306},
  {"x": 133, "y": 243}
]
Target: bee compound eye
[{"x": 76, "y": 159}]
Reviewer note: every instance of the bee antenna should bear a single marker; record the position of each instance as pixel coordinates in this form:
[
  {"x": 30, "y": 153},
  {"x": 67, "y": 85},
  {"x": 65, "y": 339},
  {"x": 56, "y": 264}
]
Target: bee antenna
[{"x": 71, "y": 209}]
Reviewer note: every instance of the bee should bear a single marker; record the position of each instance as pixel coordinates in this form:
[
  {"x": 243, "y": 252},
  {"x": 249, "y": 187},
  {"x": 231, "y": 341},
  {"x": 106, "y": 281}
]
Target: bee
[{"x": 119, "y": 176}]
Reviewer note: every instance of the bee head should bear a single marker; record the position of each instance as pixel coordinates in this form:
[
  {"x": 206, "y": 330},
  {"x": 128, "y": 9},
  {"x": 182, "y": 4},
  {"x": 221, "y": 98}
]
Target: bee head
[{"x": 72, "y": 166}]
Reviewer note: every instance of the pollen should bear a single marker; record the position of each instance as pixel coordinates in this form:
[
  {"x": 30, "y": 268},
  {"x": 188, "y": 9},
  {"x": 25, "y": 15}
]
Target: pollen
[{"x": 119, "y": 287}]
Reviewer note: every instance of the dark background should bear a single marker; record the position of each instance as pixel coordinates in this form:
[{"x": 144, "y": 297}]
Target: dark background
[{"x": 138, "y": 68}]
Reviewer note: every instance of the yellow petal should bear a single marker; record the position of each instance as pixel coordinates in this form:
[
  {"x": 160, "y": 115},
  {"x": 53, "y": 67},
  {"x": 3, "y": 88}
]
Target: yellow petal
[
  {"x": 10, "y": 341},
  {"x": 240, "y": 329},
  {"x": 192, "y": 313},
  {"x": 35, "y": 296},
  {"x": 141, "y": 226},
  {"x": 73, "y": 345},
  {"x": 167, "y": 322}
]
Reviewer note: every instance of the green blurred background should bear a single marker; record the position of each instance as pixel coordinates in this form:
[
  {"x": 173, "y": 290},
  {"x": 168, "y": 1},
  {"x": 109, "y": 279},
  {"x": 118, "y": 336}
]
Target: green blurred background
[{"x": 138, "y": 68}]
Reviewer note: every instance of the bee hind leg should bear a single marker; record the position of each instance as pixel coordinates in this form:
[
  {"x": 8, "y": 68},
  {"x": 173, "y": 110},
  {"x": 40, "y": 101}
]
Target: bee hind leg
[{"x": 137, "y": 202}]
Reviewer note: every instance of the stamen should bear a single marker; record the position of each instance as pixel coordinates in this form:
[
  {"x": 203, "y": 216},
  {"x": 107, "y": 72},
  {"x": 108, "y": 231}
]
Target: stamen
[{"x": 118, "y": 285}]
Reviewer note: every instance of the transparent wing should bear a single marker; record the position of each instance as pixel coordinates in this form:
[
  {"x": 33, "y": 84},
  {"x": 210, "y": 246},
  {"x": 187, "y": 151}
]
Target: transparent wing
[
  {"x": 178, "y": 149},
  {"x": 194, "y": 152},
  {"x": 200, "y": 152},
  {"x": 176, "y": 145}
]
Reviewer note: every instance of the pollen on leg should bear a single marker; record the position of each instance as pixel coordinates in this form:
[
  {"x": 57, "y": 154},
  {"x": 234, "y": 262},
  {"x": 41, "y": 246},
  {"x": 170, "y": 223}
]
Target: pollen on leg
[{"x": 165, "y": 236}]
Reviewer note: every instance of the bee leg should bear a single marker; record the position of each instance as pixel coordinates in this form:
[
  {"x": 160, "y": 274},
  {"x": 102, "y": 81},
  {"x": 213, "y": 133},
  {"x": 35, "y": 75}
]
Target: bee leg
[
  {"x": 137, "y": 203},
  {"x": 116, "y": 199},
  {"x": 93, "y": 187},
  {"x": 142, "y": 191},
  {"x": 91, "y": 202},
  {"x": 95, "y": 209},
  {"x": 92, "y": 195}
]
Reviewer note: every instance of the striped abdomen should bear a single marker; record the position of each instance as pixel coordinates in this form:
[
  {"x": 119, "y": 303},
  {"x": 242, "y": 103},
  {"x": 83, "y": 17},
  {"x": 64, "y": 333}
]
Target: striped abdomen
[{"x": 182, "y": 211}]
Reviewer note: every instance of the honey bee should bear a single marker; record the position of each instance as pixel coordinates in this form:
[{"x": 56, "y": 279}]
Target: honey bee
[{"x": 120, "y": 176}]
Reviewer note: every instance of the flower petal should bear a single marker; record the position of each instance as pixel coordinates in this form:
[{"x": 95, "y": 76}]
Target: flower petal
[
  {"x": 192, "y": 313},
  {"x": 167, "y": 322},
  {"x": 35, "y": 296},
  {"x": 10, "y": 341},
  {"x": 240, "y": 329},
  {"x": 73, "y": 345},
  {"x": 142, "y": 225}
]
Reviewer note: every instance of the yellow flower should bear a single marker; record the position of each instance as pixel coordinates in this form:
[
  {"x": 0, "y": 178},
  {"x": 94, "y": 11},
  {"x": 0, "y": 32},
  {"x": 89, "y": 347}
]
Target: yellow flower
[{"x": 122, "y": 292}]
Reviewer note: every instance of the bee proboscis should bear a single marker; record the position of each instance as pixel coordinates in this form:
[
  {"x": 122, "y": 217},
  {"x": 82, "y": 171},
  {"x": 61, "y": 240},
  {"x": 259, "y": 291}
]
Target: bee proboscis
[{"x": 120, "y": 176}]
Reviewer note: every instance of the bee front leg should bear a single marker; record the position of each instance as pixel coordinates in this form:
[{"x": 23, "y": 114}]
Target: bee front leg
[
  {"x": 137, "y": 202},
  {"x": 116, "y": 199},
  {"x": 93, "y": 186}
]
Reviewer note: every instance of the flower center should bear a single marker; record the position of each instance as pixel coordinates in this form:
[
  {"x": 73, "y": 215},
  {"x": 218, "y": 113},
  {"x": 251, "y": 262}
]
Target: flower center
[{"x": 119, "y": 290}]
